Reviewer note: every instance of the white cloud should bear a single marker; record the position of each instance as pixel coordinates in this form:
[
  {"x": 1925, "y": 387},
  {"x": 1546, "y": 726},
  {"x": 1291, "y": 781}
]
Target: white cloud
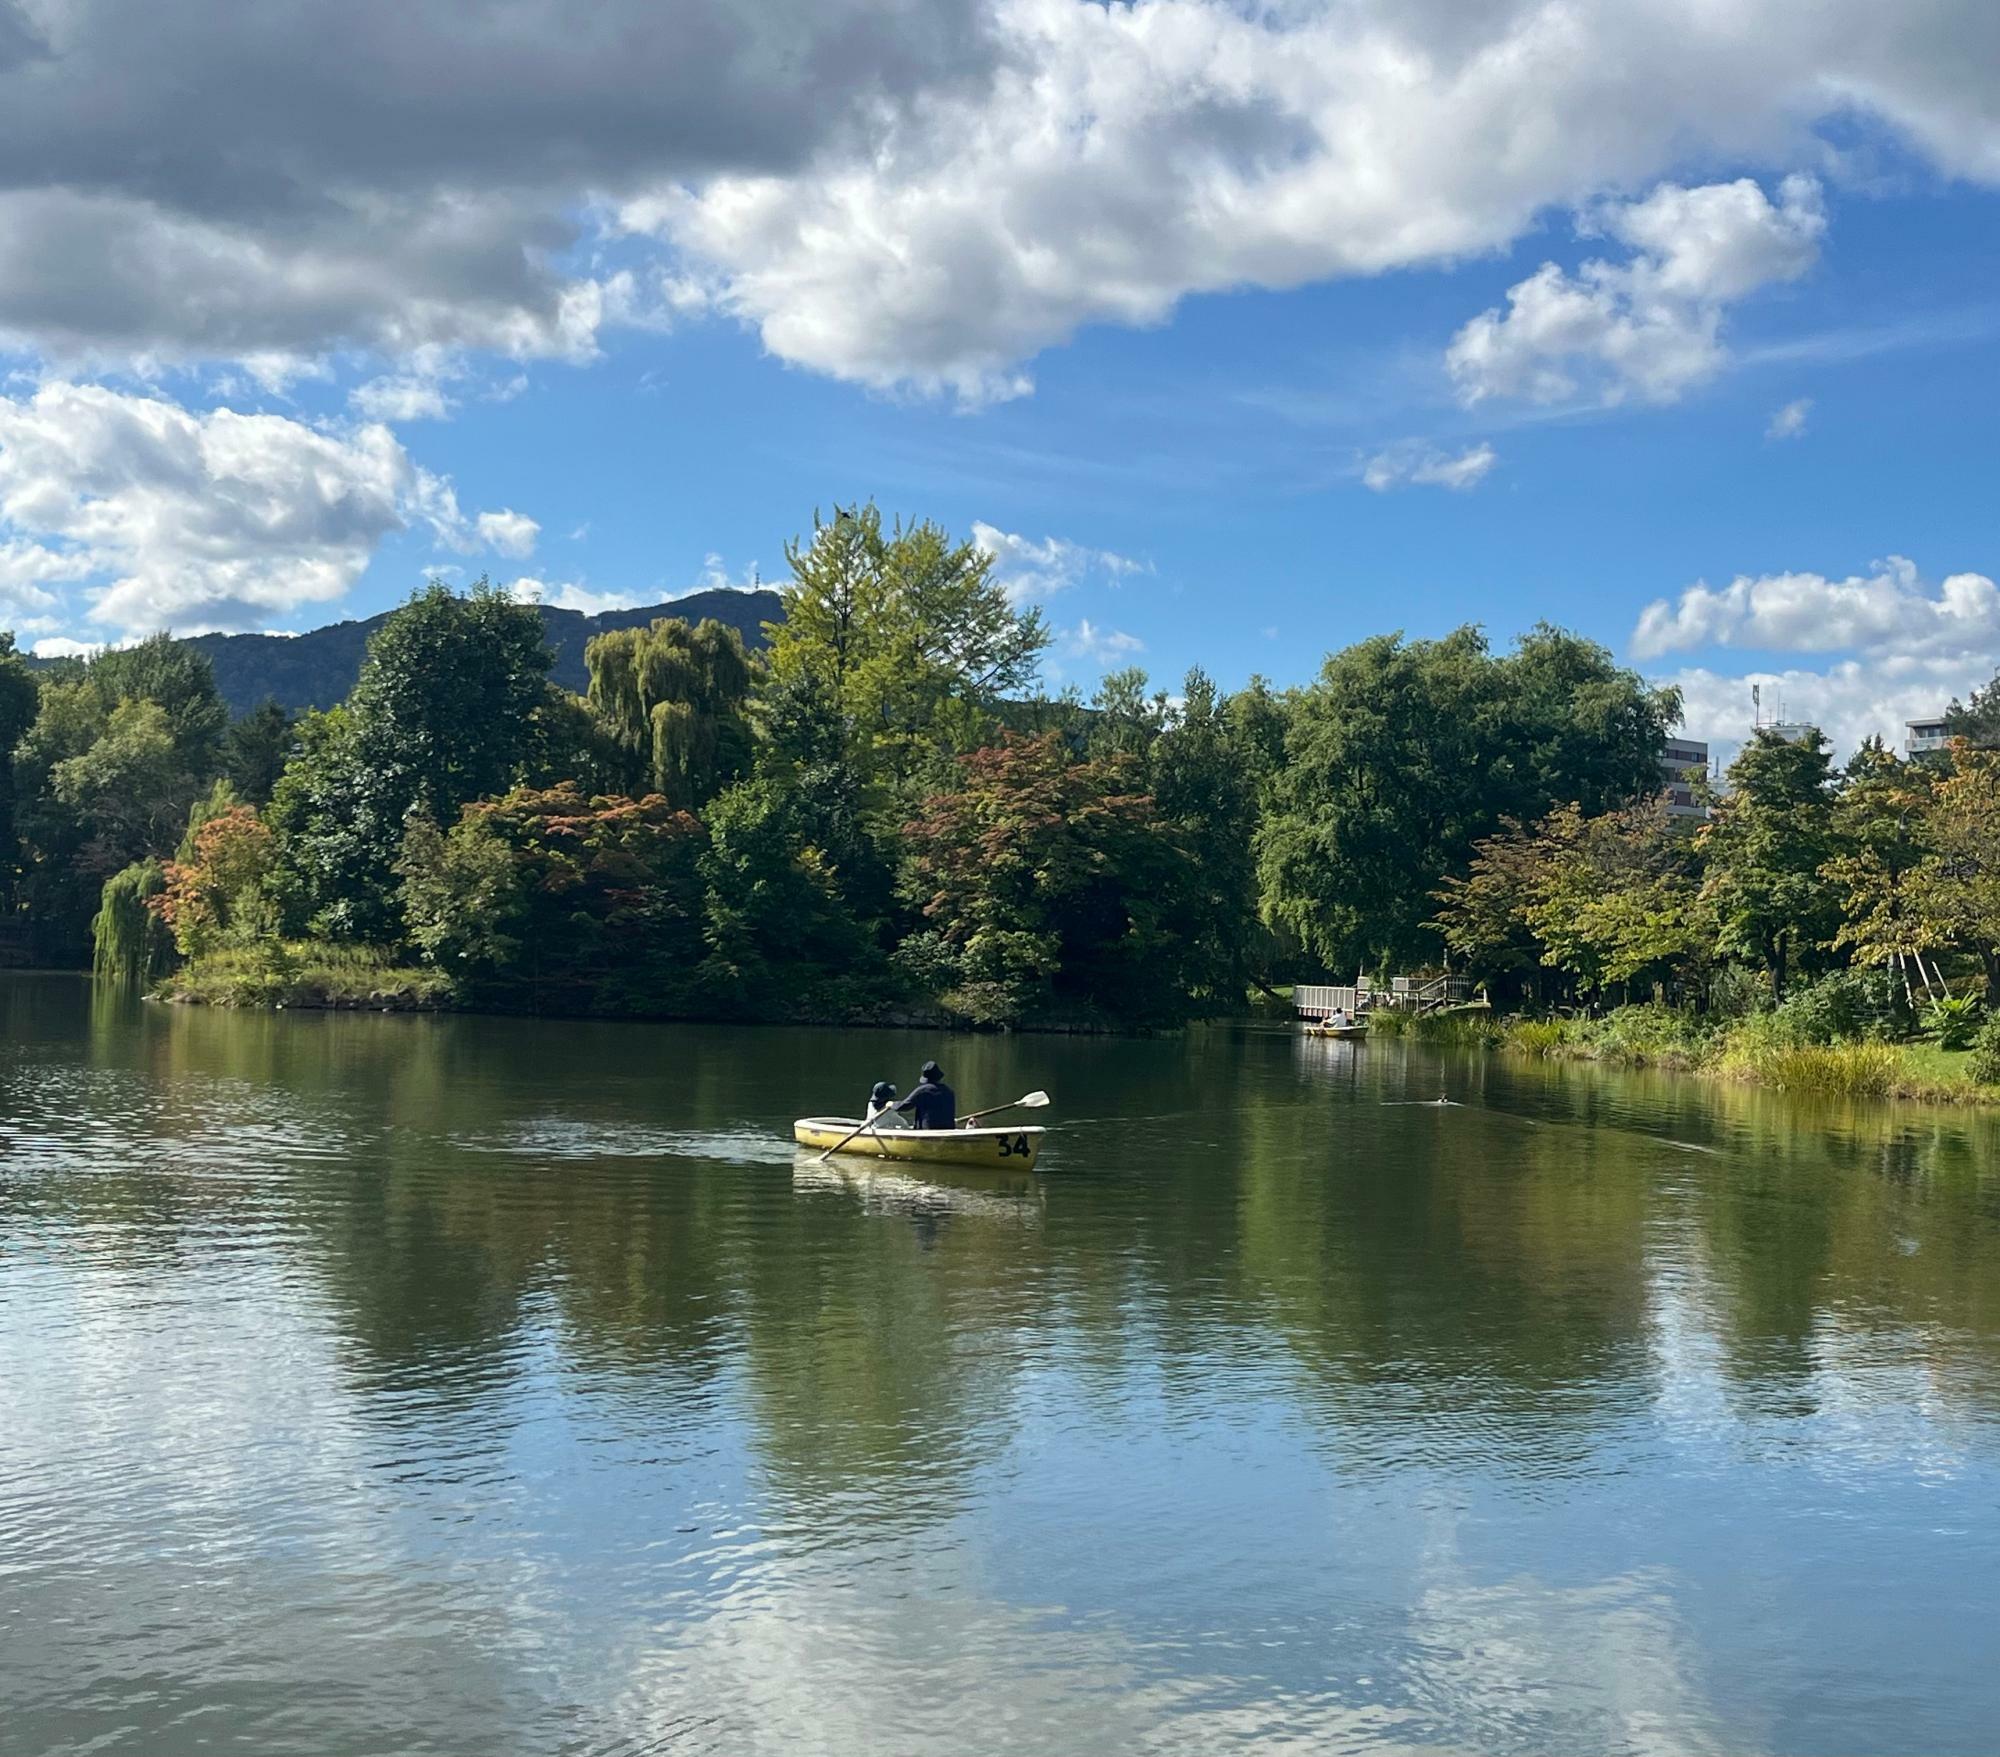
[
  {"x": 1907, "y": 649},
  {"x": 62, "y": 647},
  {"x": 402, "y": 397},
  {"x": 1650, "y": 326},
  {"x": 716, "y": 577},
  {"x": 1120, "y": 158},
  {"x": 507, "y": 532},
  {"x": 1889, "y": 612},
  {"x": 567, "y": 595},
  {"x": 1029, "y": 571},
  {"x": 1790, "y": 421},
  {"x": 1103, "y": 646},
  {"x": 903, "y": 193},
  {"x": 1426, "y": 466},
  {"x": 169, "y": 517}
]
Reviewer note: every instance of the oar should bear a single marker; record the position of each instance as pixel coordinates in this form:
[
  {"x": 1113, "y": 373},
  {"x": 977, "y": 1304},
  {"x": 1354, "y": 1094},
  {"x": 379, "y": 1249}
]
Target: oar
[
  {"x": 1034, "y": 1101},
  {"x": 860, "y": 1128}
]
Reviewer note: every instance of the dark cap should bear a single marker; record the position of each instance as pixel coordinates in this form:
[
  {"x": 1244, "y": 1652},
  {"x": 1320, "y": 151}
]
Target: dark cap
[
  {"x": 931, "y": 1071},
  {"x": 884, "y": 1091}
]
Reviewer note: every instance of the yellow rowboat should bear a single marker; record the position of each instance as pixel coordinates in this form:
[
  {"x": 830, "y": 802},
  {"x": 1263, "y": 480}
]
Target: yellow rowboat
[
  {"x": 1013, "y": 1149},
  {"x": 1345, "y": 1033}
]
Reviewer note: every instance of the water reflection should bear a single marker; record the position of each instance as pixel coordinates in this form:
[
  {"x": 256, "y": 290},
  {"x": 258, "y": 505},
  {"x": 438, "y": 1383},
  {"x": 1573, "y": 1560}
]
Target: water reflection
[{"x": 381, "y": 1382}]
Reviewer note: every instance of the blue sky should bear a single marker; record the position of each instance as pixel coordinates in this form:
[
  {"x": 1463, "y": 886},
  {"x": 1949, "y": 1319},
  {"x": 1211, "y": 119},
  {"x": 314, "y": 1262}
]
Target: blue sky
[{"x": 1237, "y": 338}]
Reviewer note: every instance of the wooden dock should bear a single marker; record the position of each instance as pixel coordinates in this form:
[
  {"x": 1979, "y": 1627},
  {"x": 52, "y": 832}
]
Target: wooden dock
[{"x": 1406, "y": 994}]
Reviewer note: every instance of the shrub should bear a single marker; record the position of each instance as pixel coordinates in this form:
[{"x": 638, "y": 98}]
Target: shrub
[
  {"x": 1388, "y": 1022},
  {"x": 1472, "y": 1027},
  {"x": 1955, "y": 1020},
  {"x": 1538, "y": 1036},
  {"x": 1983, "y": 1064},
  {"x": 1844, "y": 1005}
]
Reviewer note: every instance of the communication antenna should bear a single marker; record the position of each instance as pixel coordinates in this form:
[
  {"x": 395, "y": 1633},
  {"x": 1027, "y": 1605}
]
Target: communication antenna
[{"x": 1757, "y": 705}]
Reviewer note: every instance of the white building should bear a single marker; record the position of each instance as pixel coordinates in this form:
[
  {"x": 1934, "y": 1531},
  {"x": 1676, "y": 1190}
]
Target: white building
[
  {"x": 1679, "y": 759},
  {"x": 1925, "y": 736}
]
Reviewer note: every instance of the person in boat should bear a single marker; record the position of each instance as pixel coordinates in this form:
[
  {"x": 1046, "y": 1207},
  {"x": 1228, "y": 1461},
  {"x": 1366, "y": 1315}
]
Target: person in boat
[
  {"x": 931, "y": 1103},
  {"x": 881, "y": 1106}
]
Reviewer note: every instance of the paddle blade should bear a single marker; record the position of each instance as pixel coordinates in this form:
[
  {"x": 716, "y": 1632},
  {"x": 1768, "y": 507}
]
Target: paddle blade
[{"x": 1034, "y": 1101}]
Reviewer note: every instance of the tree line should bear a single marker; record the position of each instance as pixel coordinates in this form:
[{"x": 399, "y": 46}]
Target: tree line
[{"x": 884, "y": 813}]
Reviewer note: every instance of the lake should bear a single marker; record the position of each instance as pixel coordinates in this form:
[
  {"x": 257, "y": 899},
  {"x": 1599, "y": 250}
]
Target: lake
[{"x": 382, "y": 1383}]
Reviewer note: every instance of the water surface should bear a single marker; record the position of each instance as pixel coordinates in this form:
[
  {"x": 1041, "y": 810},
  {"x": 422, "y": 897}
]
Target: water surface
[{"x": 375, "y": 1383}]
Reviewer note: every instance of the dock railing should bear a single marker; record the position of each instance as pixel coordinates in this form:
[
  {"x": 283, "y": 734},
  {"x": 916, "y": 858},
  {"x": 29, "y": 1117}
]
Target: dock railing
[{"x": 1319, "y": 1000}]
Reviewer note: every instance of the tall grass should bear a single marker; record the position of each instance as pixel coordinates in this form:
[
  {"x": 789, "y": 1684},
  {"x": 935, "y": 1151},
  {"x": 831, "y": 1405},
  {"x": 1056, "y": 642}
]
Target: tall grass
[
  {"x": 1852, "y": 1070},
  {"x": 307, "y": 973},
  {"x": 1469, "y": 1028}
]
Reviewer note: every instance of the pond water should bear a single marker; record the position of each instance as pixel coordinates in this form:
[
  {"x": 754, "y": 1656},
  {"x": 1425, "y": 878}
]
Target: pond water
[{"x": 377, "y": 1383}]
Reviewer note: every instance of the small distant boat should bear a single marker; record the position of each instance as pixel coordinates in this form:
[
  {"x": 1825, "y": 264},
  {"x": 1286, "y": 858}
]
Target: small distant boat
[
  {"x": 1345, "y": 1033},
  {"x": 1014, "y": 1149}
]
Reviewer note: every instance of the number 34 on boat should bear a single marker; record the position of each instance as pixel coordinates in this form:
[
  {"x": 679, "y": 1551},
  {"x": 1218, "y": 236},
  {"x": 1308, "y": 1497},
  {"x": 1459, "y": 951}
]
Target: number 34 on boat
[{"x": 1015, "y": 1147}]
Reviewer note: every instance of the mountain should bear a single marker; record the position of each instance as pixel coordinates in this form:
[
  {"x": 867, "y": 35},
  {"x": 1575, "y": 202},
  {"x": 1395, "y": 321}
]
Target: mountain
[{"x": 316, "y": 670}]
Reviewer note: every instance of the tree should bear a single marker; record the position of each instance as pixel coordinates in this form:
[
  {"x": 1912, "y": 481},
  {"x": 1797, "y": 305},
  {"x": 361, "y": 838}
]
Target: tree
[
  {"x": 445, "y": 712},
  {"x": 1483, "y": 912},
  {"x": 553, "y": 900},
  {"x": 906, "y": 635},
  {"x": 1878, "y": 814},
  {"x": 1977, "y": 719},
  {"x": 673, "y": 699},
  {"x": 19, "y": 695},
  {"x": 1617, "y": 899},
  {"x": 132, "y": 944},
  {"x": 1955, "y": 889},
  {"x": 255, "y": 750},
  {"x": 1403, "y": 754},
  {"x": 1766, "y": 845},
  {"x": 215, "y": 887},
  {"x": 780, "y": 931},
  {"x": 1058, "y": 883},
  {"x": 120, "y": 748},
  {"x": 1204, "y": 781}
]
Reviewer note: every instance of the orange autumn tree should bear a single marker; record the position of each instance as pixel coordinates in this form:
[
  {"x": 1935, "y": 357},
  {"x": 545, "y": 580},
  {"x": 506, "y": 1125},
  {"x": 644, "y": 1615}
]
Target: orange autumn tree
[{"x": 215, "y": 888}]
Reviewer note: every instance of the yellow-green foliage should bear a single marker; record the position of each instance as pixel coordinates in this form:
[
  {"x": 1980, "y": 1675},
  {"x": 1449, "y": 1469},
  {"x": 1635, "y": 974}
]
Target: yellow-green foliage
[{"x": 307, "y": 973}]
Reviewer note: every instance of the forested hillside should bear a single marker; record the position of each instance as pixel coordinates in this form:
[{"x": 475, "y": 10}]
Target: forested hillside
[{"x": 316, "y": 670}]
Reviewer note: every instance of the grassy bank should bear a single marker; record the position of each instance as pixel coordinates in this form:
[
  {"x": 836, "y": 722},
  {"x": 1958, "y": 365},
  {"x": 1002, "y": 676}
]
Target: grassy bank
[
  {"x": 307, "y": 973},
  {"x": 1758, "y": 1049}
]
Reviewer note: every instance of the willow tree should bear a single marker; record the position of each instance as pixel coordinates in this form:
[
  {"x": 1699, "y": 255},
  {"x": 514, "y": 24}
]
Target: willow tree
[
  {"x": 133, "y": 945},
  {"x": 672, "y": 696}
]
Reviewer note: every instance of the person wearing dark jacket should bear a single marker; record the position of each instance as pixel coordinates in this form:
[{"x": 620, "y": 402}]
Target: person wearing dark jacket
[{"x": 931, "y": 1103}]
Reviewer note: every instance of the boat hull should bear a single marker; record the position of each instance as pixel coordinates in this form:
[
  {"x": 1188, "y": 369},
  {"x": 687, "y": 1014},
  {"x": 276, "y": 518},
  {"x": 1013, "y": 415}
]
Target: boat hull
[
  {"x": 1343, "y": 1033},
  {"x": 1011, "y": 1149}
]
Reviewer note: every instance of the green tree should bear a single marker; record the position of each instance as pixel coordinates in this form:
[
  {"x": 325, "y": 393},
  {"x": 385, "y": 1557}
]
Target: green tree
[
  {"x": 674, "y": 699},
  {"x": 1059, "y": 884},
  {"x": 1766, "y": 845},
  {"x": 1204, "y": 784},
  {"x": 19, "y": 695},
  {"x": 1618, "y": 899},
  {"x": 255, "y": 750},
  {"x": 905, "y": 635},
  {"x": 1977, "y": 719},
  {"x": 132, "y": 944},
  {"x": 1955, "y": 889},
  {"x": 445, "y": 712},
  {"x": 1878, "y": 814},
  {"x": 1403, "y": 754},
  {"x": 559, "y": 902},
  {"x": 120, "y": 747}
]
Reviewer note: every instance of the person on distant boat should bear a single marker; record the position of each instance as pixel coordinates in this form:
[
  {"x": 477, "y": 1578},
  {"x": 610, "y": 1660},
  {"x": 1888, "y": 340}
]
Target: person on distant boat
[
  {"x": 932, "y": 1103},
  {"x": 881, "y": 1106}
]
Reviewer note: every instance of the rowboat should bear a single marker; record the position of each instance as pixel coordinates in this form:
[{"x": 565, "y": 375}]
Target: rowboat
[
  {"x": 1345, "y": 1033},
  {"x": 1015, "y": 1149}
]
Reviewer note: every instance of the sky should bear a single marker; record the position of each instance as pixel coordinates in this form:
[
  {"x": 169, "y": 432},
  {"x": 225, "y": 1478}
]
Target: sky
[{"x": 1235, "y": 334}]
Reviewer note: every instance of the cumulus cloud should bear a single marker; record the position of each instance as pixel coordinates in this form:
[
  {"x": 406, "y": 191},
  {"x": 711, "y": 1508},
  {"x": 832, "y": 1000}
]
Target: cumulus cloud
[
  {"x": 507, "y": 532},
  {"x": 165, "y": 516},
  {"x": 1103, "y": 646},
  {"x": 1120, "y": 158},
  {"x": 1908, "y": 649},
  {"x": 1649, "y": 326},
  {"x": 903, "y": 193},
  {"x": 1790, "y": 421},
  {"x": 1888, "y": 611},
  {"x": 567, "y": 595},
  {"x": 1425, "y": 466},
  {"x": 1030, "y": 571}
]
